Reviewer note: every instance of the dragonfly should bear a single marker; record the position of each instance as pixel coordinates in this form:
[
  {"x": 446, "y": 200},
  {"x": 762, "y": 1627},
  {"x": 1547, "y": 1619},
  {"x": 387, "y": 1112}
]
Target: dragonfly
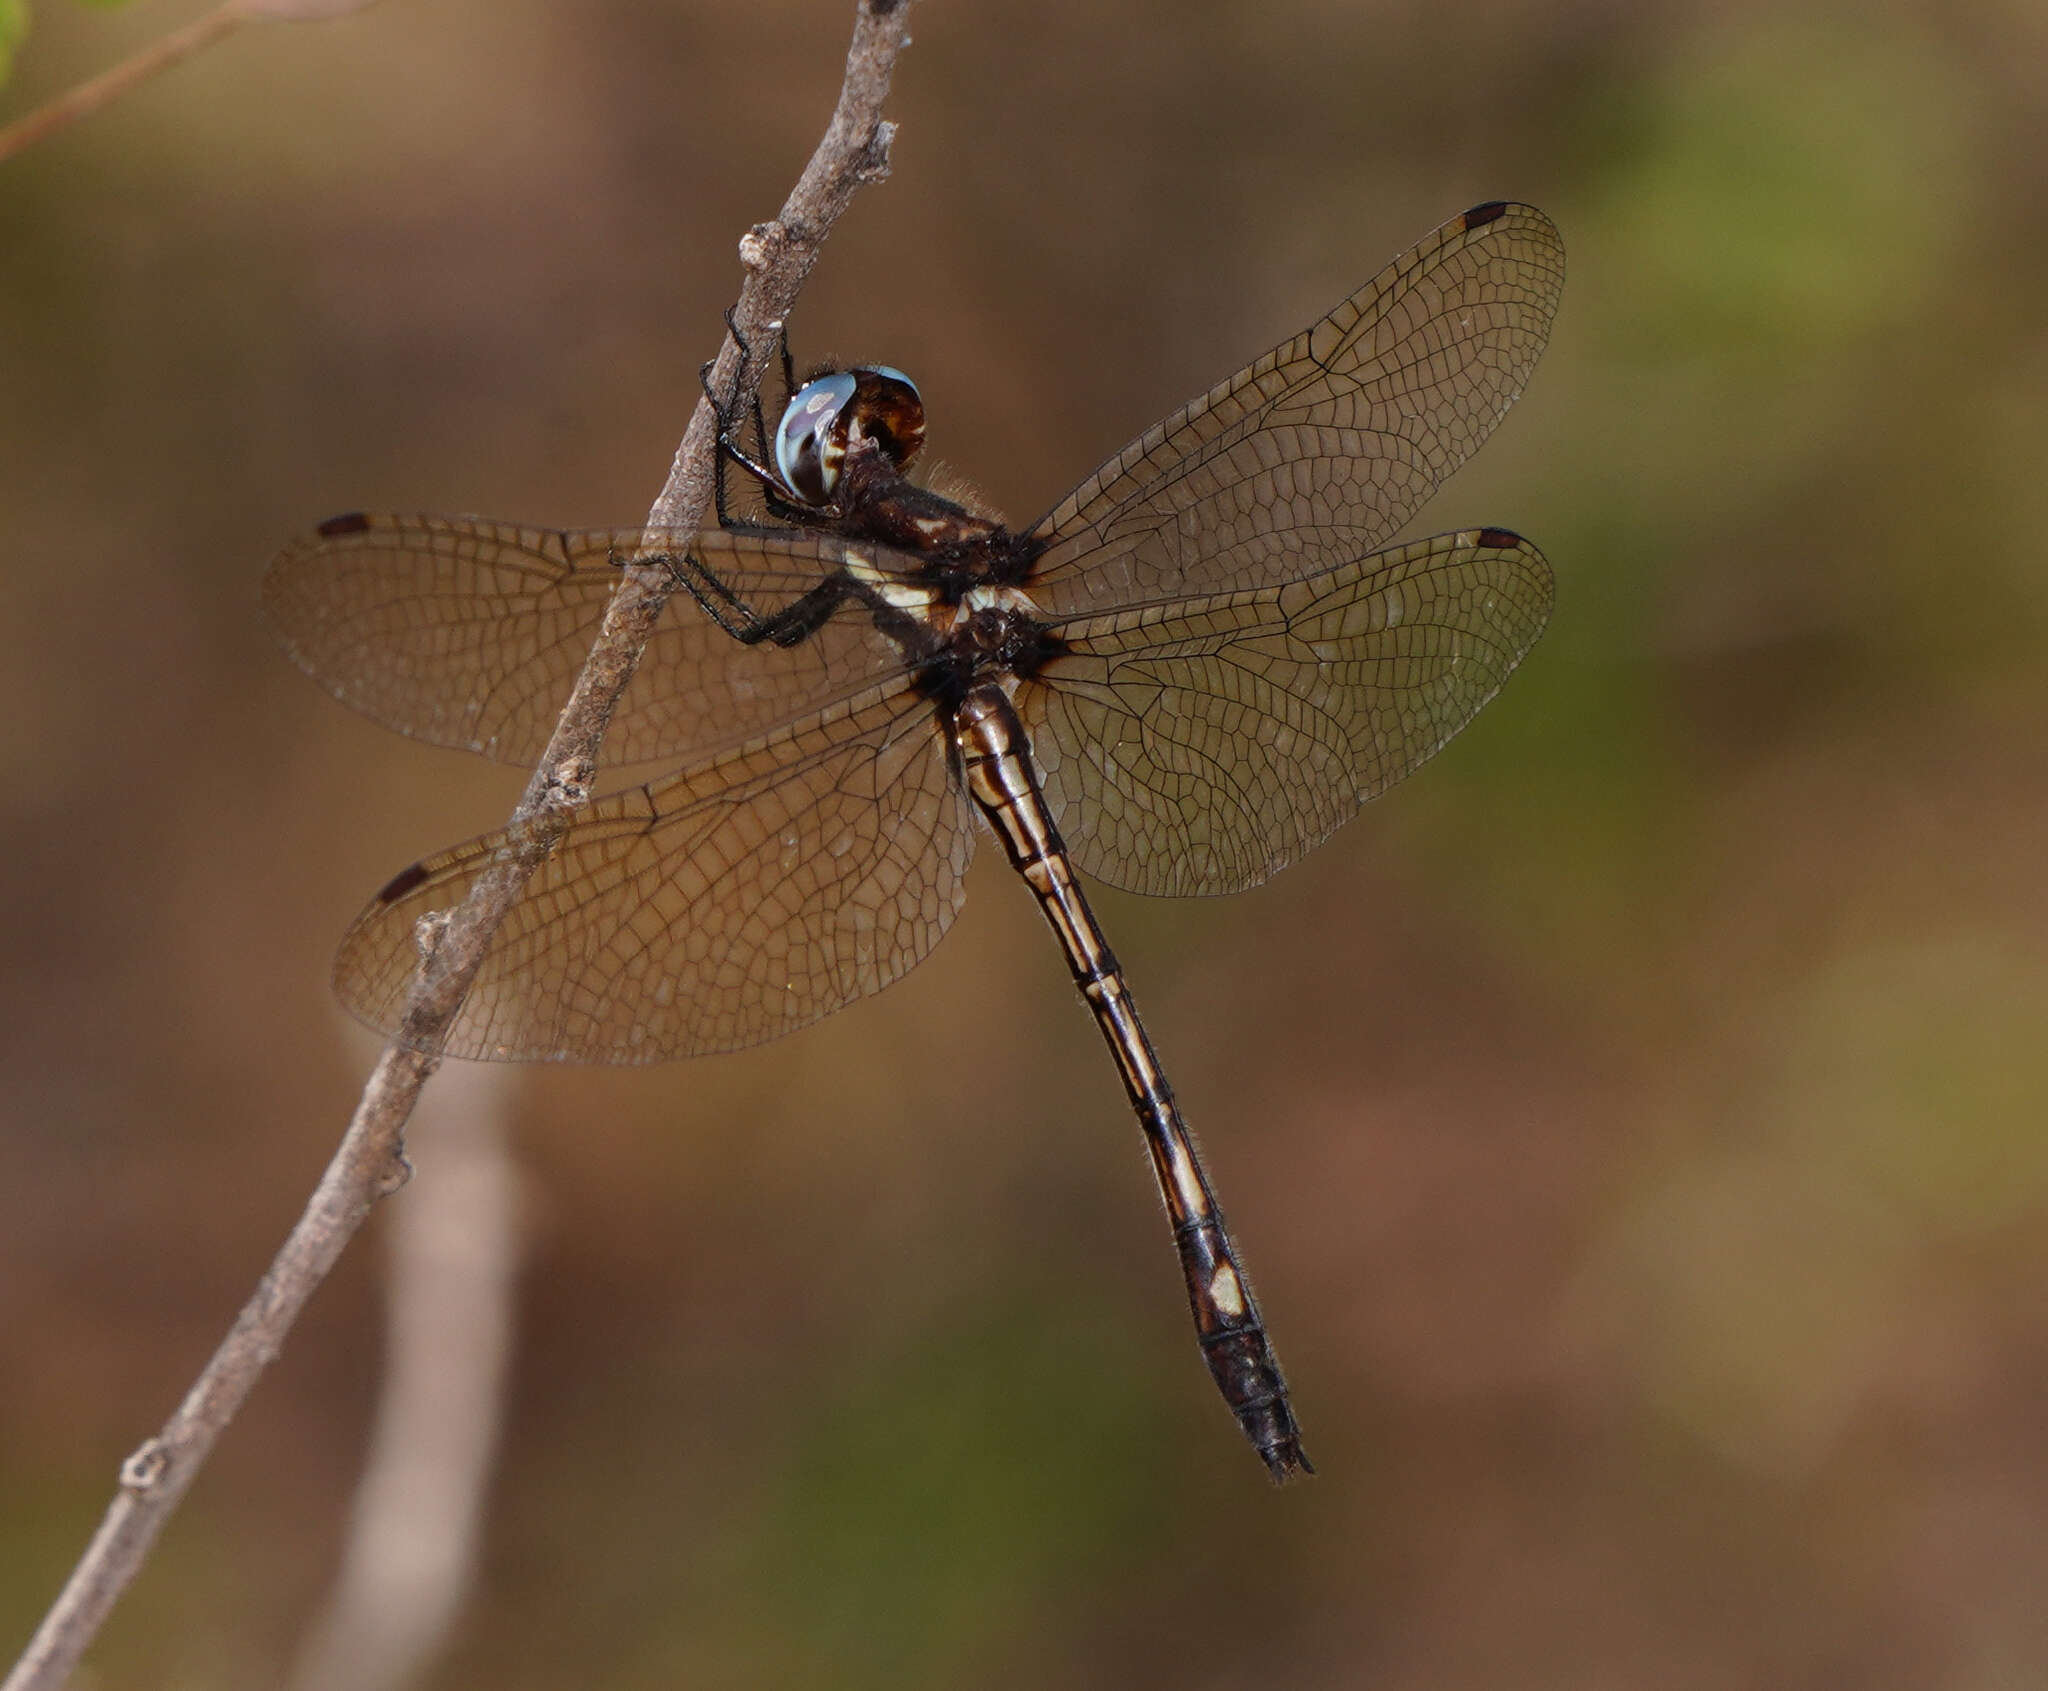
[{"x": 1188, "y": 673}]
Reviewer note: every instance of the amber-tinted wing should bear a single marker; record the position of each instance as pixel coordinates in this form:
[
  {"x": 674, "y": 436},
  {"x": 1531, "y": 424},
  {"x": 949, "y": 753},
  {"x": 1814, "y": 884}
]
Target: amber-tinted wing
[
  {"x": 1325, "y": 447},
  {"x": 1200, "y": 747},
  {"x": 469, "y": 633},
  {"x": 734, "y": 902}
]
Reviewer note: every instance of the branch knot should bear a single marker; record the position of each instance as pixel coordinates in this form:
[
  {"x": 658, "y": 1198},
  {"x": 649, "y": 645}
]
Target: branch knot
[{"x": 146, "y": 1466}]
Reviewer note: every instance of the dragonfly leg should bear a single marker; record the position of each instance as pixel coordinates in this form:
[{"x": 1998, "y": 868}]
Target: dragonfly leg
[
  {"x": 734, "y": 421},
  {"x": 730, "y": 423},
  {"x": 791, "y": 625}
]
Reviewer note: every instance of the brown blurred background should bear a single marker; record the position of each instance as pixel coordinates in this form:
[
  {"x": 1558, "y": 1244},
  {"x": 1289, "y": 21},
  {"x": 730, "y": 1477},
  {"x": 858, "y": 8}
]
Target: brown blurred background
[{"x": 1638, "y": 1123}]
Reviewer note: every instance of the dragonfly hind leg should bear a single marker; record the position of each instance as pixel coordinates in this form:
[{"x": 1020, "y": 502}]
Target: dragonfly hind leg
[{"x": 793, "y": 624}]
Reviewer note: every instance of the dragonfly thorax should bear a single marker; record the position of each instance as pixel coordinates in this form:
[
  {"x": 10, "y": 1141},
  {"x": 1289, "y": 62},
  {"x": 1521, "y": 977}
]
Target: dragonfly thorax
[{"x": 992, "y": 634}]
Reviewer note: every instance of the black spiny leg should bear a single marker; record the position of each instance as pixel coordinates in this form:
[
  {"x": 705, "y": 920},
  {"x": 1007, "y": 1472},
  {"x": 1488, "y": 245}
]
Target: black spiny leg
[
  {"x": 802, "y": 617},
  {"x": 795, "y": 623},
  {"x": 725, "y": 406},
  {"x": 748, "y": 360},
  {"x": 730, "y": 423}
]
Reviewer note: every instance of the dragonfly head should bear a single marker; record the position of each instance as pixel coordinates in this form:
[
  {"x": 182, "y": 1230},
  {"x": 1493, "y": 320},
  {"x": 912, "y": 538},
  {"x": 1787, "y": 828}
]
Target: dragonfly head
[{"x": 812, "y": 439}]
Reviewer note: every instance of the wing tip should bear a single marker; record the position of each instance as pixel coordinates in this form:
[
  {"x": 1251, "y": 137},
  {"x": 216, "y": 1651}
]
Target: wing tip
[
  {"x": 349, "y": 522},
  {"x": 402, "y": 883},
  {"x": 1534, "y": 225}
]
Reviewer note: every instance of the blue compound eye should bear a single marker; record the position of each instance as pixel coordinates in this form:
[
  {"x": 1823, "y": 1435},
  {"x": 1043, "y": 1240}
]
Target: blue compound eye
[{"x": 810, "y": 441}]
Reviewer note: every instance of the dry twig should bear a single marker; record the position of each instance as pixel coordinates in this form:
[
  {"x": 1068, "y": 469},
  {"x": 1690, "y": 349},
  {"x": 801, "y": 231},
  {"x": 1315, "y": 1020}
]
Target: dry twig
[
  {"x": 157, "y": 57},
  {"x": 370, "y": 1162}
]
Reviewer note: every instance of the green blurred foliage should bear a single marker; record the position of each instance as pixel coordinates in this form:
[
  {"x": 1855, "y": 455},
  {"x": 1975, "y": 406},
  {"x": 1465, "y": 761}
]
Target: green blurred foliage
[
  {"x": 881, "y": 1520},
  {"x": 13, "y": 26}
]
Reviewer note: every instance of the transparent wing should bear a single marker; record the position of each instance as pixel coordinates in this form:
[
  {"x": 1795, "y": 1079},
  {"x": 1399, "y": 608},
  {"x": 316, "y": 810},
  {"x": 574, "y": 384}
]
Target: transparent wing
[
  {"x": 729, "y": 904},
  {"x": 1202, "y": 746},
  {"x": 1325, "y": 447},
  {"x": 469, "y": 633}
]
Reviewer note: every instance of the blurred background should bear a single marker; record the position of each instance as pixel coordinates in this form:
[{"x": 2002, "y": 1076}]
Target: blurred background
[{"x": 1637, "y": 1123}]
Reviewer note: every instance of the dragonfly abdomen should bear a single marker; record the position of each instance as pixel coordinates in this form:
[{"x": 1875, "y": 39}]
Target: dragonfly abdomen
[{"x": 995, "y": 757}]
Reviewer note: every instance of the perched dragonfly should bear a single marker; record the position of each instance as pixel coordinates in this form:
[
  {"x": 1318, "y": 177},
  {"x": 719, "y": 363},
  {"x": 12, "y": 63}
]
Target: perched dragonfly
[{"x": 1182, "y": 678}]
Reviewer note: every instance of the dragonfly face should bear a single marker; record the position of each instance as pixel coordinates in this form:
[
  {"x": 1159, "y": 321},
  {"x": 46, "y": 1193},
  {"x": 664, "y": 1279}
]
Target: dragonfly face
[
  {"x": 878, "y": 405},
  {"x": 1186, "y": 674}
]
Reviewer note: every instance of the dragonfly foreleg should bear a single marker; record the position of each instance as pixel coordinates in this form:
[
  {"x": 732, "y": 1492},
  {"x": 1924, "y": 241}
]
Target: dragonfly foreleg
[{"x": 733, "y": 421}]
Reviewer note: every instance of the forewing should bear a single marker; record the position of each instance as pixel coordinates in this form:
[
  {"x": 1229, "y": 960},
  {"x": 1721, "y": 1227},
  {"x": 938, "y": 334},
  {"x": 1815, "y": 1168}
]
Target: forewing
[
  {"x": 469, "y": 633},
  {"x": 1202, "y": 746},
  {"x": 1324, "y": 448},
  {"x": 729, "y": 904}
]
